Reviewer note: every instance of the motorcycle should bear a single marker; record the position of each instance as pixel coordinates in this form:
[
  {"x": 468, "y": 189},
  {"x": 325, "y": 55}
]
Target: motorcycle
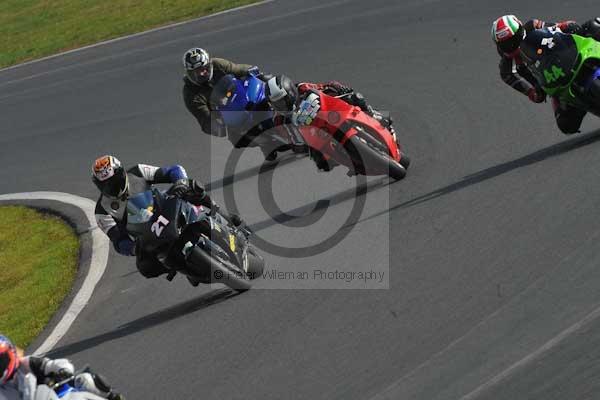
[
  {"x": 66, "y": 392},
  {"x": 194, "y": 240},
  {"x": 244, "y": 110},
  {"x": 56, "y": 389},
  {"x": 349, "y": 136},
  {"x": 567, "y": 66}
]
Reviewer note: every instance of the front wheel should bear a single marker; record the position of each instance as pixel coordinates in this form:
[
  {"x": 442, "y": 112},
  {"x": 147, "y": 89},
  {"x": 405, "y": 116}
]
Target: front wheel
[
  {"x": 370, "y": 160},
  {"x": 396, "y": 170},
  {"x": 256, "y": 264},
  {"x": 202, "y": 264},
  {"x": 404, "y": 160}
]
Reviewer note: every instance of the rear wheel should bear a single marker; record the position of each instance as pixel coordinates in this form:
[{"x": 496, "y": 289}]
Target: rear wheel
[{"x": 595, "y": 92}]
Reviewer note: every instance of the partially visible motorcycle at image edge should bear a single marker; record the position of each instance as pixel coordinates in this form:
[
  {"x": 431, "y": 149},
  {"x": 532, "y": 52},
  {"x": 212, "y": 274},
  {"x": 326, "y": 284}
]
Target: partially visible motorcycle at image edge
[
  {"x": 56, "y": 388},
  {"x": 349, "y": 136},
  {"x": 244, "y": 110},
  {"x": 567, "y": 66},
  {"x": 193, "y": 240}
]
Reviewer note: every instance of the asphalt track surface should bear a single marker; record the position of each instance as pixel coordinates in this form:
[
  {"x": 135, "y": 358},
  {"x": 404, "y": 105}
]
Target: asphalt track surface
[{"x": 491, "y": 240}]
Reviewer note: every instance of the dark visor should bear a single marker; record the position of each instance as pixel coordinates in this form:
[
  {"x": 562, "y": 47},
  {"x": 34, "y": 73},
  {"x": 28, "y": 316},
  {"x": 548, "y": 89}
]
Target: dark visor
[
  {"x": 114, "y": 185},
  {"x": 511, "y": 45},
  {"x": 200, "y": 74}
]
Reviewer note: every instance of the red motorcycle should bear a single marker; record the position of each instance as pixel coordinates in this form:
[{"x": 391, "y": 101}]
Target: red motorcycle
[{"x": 349, "y": 136}]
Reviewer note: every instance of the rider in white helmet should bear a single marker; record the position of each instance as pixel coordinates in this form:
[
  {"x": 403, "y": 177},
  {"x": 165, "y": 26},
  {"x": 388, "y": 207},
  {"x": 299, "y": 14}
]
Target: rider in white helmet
[{"x": 202, "y": 72}]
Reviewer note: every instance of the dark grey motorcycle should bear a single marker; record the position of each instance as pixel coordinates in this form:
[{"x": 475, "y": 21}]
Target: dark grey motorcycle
[{"x": 193, "y": 240}]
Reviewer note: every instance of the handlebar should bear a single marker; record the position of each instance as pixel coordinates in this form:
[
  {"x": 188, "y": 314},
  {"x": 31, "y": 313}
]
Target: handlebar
[{"x": 53, "y": 384}]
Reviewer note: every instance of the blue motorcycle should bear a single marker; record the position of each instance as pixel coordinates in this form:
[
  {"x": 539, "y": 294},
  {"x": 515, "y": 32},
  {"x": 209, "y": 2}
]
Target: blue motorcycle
[
  {"x": 248, "y": 118},
  {"x": 241, "y": 103}
]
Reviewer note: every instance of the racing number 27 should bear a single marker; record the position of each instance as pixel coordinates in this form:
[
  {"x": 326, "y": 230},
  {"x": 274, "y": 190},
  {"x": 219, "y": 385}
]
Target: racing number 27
[{"x": 159, "y": 225}]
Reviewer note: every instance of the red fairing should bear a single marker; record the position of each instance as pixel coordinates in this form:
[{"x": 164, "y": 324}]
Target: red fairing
[{"x": 336, "y": 119}]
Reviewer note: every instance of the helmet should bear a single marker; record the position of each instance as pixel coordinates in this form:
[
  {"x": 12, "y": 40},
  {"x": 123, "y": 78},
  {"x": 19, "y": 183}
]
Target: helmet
[
  {"x": 9, "y": 360},
  {"x": 198, "y": 67},
  {"x": 282, "y": 93},
  {"x": 507, "y": 33},
  {"x": 110, "y": 177}
]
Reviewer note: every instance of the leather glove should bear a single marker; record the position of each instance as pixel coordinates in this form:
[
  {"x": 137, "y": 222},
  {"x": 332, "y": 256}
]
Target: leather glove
[
  {"x": 195, "y": 194},
  {"x": 536, "y": 95},
  {"x": 61, "y": 368},
  {"x": 254, "y": 71},
  {"x": 307, "y": 111},
  {"x": 196, "y": 188},
  {"x": 180, "y": 188}
]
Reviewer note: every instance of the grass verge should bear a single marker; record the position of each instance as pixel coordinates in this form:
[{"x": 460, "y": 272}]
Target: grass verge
[
  {"x": 38, "y": 261},
  {"x": 36, "y": 28}
]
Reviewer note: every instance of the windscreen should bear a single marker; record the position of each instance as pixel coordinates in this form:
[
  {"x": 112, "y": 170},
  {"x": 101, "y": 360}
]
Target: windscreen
[
  {"x": 140, "y": 208},
  {"x": 556, "y": 58}
]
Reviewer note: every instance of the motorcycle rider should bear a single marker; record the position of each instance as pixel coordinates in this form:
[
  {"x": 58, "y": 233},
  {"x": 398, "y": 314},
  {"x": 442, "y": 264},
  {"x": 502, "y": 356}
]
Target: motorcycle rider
[
  {"x": 116, "y": 184},
  {"x": 202, "y": 72},
  {"x": 508, "y": 32},
  {"x": 18, "y": 373},
  {"x": 285, "y": 96}
]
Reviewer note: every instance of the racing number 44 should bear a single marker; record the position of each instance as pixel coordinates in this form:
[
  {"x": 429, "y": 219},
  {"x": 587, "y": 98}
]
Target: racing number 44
[
  {"x": 159, "y": 225},
  {"x": 553, "y": 74}
]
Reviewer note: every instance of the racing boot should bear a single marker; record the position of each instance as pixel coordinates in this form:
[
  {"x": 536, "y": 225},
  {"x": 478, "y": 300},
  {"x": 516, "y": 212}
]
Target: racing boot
[
  {"x": 320, "y": 161},
  {"x": 271, "y": 155},
  {"x": 193, "y": 280}
]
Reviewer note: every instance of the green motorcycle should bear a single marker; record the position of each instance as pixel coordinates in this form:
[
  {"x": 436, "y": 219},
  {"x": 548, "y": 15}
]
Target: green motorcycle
[{"x": 566, "y": 66}]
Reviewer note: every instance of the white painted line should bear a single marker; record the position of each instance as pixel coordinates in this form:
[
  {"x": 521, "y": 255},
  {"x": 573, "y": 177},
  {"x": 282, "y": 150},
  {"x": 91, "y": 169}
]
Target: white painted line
[
  {"x": 99, "y": 259},
  {"x": 549, "y": 345},
  {"x": 160, "y": 44},
  {"x": 160, "y": 28}
]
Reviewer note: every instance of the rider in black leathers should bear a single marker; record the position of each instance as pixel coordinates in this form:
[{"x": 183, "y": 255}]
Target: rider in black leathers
[
  {"x": 116, "y": 184},
  {"x": 508, "y": 33}
]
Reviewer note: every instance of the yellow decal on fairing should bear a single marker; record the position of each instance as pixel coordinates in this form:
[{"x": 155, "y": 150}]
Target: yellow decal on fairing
[{"x": 232, "y": 242}]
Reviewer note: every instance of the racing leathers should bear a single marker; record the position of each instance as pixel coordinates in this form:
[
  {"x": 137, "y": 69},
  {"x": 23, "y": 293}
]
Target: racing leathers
[
  {"x": 197, "y": 101},
  {"x": 515, "y": 73},
  {"x": 111, "y": 214},
  {"x": 35, "y": 371}
]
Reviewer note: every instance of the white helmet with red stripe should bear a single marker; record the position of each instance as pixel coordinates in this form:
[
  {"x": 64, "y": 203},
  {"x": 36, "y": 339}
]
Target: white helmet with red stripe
[{"x": 507, "y": 33}]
